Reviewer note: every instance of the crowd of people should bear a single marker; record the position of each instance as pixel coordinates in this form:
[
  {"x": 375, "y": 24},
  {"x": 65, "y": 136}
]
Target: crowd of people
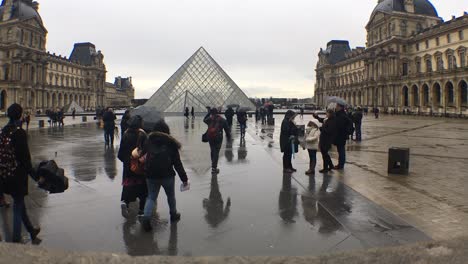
[
  {"x": 151, "y": 159},
  {"x": 56, "y": 117},
  {"x": 339, "y": 126}
]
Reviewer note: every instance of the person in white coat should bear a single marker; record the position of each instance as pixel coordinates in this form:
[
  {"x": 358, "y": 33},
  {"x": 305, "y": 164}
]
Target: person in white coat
[{"x": 311, "y": 143}]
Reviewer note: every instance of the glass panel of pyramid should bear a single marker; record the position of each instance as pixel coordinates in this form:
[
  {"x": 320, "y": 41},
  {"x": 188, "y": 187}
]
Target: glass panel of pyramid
[{"x": 198, "y": 83}]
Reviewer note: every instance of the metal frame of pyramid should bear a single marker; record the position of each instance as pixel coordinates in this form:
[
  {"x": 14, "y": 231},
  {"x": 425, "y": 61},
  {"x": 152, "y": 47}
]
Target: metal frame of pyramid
[{"x": 198, "y": 83}]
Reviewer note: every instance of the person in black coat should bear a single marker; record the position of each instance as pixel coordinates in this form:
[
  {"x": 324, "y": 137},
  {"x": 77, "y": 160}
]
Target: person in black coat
[
  {"x": 134, "y": 185},
  {"x": 192, "y": 112},
  {"x": 216, "y": 124},
  {"x": 162, "y": 158},
  {"x": 186, "y": 113},
  {"x": 17, "y": 186},
  {"x": 288, "y": 139},
  {"x": 344, "y": 127},
  {"x": 328, "y": 133},
  {"x": 229, "y": 114},
  {"x": 124, "y": 122},
  {"x": 109, "y": 126},
  {"x": 357, "y": 120}
]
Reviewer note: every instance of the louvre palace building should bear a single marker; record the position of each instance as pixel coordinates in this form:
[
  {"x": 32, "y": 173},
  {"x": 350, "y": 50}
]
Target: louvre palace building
[
  {"x": 413, "y": 62},
  {"x": 39, "y": 80}
]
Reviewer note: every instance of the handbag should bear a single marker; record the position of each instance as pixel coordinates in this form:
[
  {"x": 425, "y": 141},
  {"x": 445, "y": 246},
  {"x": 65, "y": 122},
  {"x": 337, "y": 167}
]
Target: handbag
[
  {"x": 205, "y": 137},
  {"x": 137, "y": 162}
]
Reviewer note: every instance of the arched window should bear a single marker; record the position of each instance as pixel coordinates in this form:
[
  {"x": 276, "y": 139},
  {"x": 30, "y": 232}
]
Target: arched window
[
  {"x": 415, "y": 95},
  {"x": 449, "y": 93}
]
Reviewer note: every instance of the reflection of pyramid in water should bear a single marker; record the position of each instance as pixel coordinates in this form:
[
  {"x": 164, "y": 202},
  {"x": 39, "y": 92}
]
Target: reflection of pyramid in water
[{"x": 199, "y": 83}]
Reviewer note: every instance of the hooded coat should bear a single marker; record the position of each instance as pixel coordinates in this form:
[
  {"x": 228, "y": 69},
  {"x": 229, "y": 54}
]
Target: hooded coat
[
  {"x": 161, "y": 141},
  {"x": 289, "y": 132}
]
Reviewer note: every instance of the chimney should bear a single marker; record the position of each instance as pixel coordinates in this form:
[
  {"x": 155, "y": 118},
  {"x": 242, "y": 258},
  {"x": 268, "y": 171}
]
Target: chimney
[
  {"x": 8, "y": 10},
  {"x": 409, "y": 6}
]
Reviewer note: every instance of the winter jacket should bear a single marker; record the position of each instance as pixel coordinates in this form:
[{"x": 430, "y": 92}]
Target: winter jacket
[
  {"x": 220, "y": 123},
  {"x": 344, "y": 127},
  {"x": 131, "y": 139},
  {"x": 156, "y": 142},
  {"x": 17, "y": 186},
  {"x": 311, "y": 138},
  {"x": 229, "y": 113},
  {"x": 109, "y": 120},
  {"x": 357, "y": 117},
  {"x": 327, "y": 133},
  {"x": 289, "y": 133}
]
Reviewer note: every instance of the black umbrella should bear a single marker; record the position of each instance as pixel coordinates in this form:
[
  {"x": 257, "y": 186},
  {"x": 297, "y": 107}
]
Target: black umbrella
[{"x": 150, "y": 116}]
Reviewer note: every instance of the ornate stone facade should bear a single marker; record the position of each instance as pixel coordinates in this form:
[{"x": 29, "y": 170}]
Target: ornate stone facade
[
  {"x": 414, "y": 61},
  {"x": 37, "y": 79},
  {"x": 120, "y": 93}
]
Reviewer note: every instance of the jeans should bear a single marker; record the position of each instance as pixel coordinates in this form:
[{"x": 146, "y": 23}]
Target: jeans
[
  {"x": 313, "y": 158},
  {"x": 20, "y": 216},
  {"x": 154, "y": 185},
  {"x": 341, "y": 155},
  {"x": 109, "y": 136},
  {"x": 327, "y": 161},
  {"x": 215, "y": 147},
  {"x": 243, "y": 126},
  {"x": 287, "y": 157},
  {"x": 358, "y": 132}
]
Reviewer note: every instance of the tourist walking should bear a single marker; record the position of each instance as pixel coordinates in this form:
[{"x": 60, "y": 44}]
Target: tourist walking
[
  {"x": 357, "y": 120},
  {"x": 229, "y": 114},
  {"x": 186, "y": 114},
  {"x": 302, "y": 112},
  {"x": 73, "y": 113},
  {"x": 327, "y": 137},
  {"x": 214, "y": 135},
  {"x": 242, "y": 119},
  {"x": 27, "y": 120},
  {"x": 15, "y": 171},
  {"x": 311, "y": 143},
  {"x": 109, "y": 126},
  {"x": 162, "y": 157},
  {"x": 60, "y": 117},
  {"x": 134, "y": 183},
  {"x": 193, "y": 112},
  {"x": 344, "y": 128},
  {"x": 289, "y": 140},
  {"x": 124, "y": 122},
  {"x": 263, "y": 114},
  {"x": 376, "y": 112}
]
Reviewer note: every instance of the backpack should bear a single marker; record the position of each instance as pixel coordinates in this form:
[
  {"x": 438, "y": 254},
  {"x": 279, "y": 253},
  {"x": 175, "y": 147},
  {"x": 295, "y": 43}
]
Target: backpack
[
  {"x": 213, "y": 130},
  {"x": 8, "y": 162},
  {"x": 158, "y": 161}
]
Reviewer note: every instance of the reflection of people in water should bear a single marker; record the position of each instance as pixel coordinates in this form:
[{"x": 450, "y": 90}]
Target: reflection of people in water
[
  {"x": 144, "y": 244},
  {"x": 216, "y": 213},
  {"x": 242, "y": 151},
  {"x": 228, "y": 151},
  {"x": 315, "y": 213},
  {"x": 110, "y": 166},
  {"x": 288, "y": 200},
  {"x": 186, "y": 124}
]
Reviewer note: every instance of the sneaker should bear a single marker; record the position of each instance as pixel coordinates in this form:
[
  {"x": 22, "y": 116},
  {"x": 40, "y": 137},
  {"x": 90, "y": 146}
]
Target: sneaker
[
  {"x": 215, "y": 170},
  {"x": 124, "y": 210},
  {"x": 175, "y": 217},
  {"x": 146, "y": 224},
  {"x": 34, "y": 233}
]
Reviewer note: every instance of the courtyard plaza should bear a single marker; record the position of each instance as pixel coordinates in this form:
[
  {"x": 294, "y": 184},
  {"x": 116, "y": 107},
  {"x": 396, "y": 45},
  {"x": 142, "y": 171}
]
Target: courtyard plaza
[{"x": 251, "y": 207}]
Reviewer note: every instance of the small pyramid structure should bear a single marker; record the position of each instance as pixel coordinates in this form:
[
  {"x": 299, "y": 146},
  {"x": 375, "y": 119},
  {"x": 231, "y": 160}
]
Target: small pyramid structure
[
  {"x": 68, "y": 109},
  {"x": 198, "y": 83}
]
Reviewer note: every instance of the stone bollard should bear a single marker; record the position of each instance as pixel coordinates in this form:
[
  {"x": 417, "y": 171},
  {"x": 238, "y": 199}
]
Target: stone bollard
[
  {"x": 41, "y": 123},
  {"x": 84, "y": 118},
  {"x": 398, "y": 161}
]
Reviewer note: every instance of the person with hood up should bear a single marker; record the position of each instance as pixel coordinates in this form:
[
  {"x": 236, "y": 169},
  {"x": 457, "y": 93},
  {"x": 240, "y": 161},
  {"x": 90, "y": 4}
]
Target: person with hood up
[
  {"x": 327, "y": 137},
  {"x": 17, "y": 185},
  {"x": 134, "y": 185},
  {"x": 288, "y": 140},
  {"x": 162, "y": 158},
  {"x": 311, "y": 143}
]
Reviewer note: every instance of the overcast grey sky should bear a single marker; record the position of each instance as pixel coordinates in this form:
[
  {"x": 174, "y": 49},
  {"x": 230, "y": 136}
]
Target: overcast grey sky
[{"x": 268, "y": 47}]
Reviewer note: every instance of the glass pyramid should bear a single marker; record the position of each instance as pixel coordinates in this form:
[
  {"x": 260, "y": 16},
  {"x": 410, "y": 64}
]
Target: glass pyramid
[{"x": 198, "y": 83}]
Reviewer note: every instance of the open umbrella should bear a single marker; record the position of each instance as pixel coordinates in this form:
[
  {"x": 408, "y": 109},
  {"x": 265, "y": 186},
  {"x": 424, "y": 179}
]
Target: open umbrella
[
  {"x": 244, "y": 109},
  {"x": 336, "y": 100},
  {"x": 150, "y": 116}
]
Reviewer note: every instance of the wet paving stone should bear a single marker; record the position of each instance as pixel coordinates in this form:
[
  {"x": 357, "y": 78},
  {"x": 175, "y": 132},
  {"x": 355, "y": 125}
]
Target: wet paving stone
[{"x": 250, "y": 208}]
